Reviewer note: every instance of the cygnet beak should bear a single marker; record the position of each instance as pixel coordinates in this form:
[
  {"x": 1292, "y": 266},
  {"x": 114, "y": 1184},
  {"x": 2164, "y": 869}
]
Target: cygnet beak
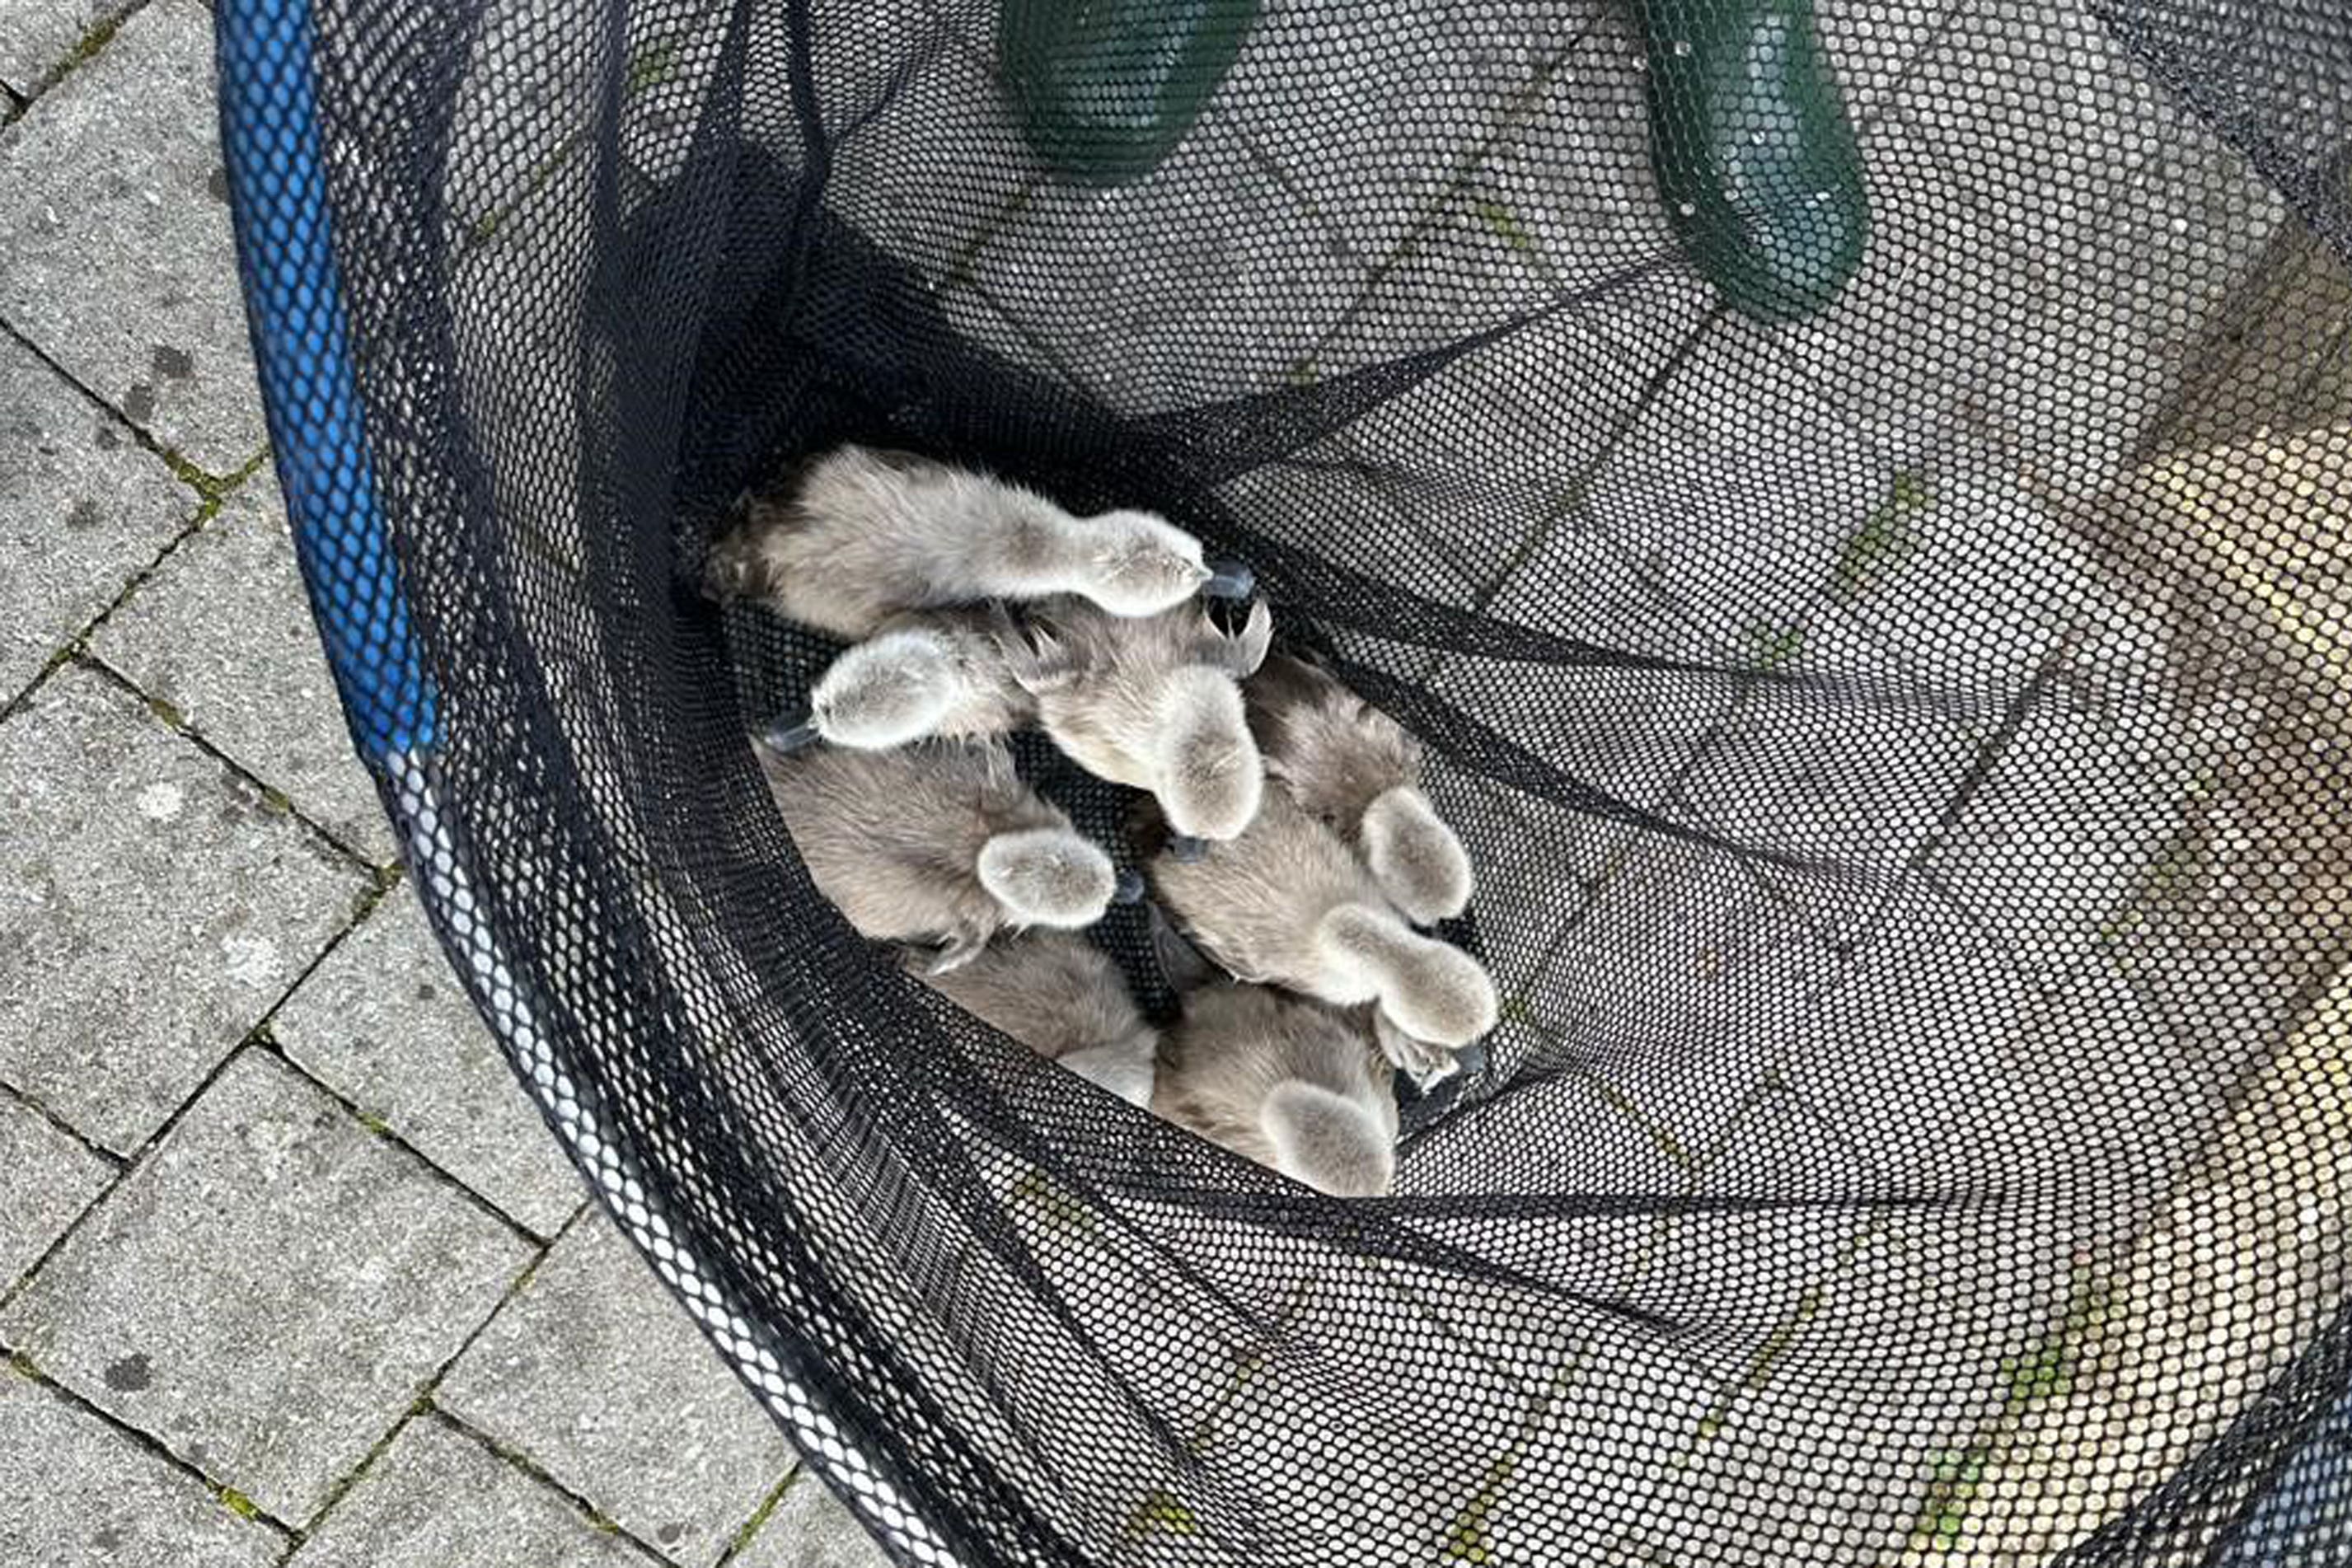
[
  {"x": 1185, "y": 850},
  {"x": 793, "y": 732},
  {"x": 1229, "y": 580},
  {"x": 1128, "y": 889}
]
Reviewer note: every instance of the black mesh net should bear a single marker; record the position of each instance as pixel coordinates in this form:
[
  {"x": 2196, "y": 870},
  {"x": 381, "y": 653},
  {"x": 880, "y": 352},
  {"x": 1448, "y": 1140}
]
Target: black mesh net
[{"x": 1852, "y": 496}]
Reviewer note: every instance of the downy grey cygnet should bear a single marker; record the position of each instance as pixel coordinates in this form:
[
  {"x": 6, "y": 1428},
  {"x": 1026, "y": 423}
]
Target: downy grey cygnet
[
  {"x": 1278, "y": 1079},
  {"x": 1154, "y": 703},
  {"x": 1064, "y": 999},
  {"x": 866, "y": 533},
  {"x": 1352, "y": 766},
  {"x": 1288, "y": 903},
  {"x": 941, "y": 842}
]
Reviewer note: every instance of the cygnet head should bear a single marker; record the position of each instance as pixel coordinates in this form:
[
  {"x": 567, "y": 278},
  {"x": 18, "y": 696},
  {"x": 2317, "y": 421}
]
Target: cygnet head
[
  {"x": 1047, "y": 876},
  {"x": 1207, "y": 775},
  {"x": 886, "y": 691},
  {"x": 1417, "y": 860},
  {"x": 735, "y": 566},
  {"x": 1430, "y": 990},
  {"x": 1140, "y": 564},
  {"x": 1327, "y": 1141}
]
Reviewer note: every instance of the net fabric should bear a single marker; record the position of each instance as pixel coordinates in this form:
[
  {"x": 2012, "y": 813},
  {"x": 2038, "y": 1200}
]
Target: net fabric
[{"x": 1902, "y": 747}]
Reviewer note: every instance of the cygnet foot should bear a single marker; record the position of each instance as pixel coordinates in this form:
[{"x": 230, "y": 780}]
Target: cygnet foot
[
  {"x": 1429, "y": 989},
  {"x": 1210, "y": 780},
  {"x": 1425, "y": 1062},
  {"x": 1118, "y": 1069}
]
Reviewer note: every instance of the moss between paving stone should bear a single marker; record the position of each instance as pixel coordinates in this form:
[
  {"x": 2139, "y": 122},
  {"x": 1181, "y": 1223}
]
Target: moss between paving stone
[
  {"x": 759, "y": 1516},
  {"x": 2180, "y": 871},
  {"x": 1659, "y": 1134},
  {"x": 214, "y": 488},
  {"x": 420, "y": 1406},
  {"x": 212, "y": 493},
  {"x": 1765, "y": 1364},
  {"x": 650, "y": 67},
  {"x": 84, "y": 50},
  {"x": 1887, "y": 537},
  {"x": 603, "y": 1522},
  {"x": 1036, "y": 1192},
  {"x": 1498, "y": 217},
  {"x": 211, "y": 496},
  {"x": 1470, "y": 1538},
  {"x": 1160, "y": 1508},
  {"x": 1777, "y": 647},
  {"x": 960, "y": 267},
  {"x": 2038, "y": 1377}
]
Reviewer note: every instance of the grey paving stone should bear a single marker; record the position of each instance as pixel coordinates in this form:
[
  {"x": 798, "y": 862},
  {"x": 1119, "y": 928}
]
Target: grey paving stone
[
  {"x": 439, "y": 1499},
  {"x": 594, "y": 1373},
  {"x": 496, "y": 155},
  {"x": 1569, "y": 186},
  {"x": 385, "y": 1023},
  {"x": 99, "y": 1498},
  {"x": 810, "y": 1529},
  {"x": 82, "y": 507},
  {"x": 1855, "y": 784},
  {"x": 1741, "y": 491},
  {"x": 36, "y": 36},
  {"x": 2049, "y": 194},
  {"x": 223, "y": 633},
  {"x": 1526, "y": 418},
  {"x": 2041, "y": 108},
  {"x": 1227, "y": 307},
  {"x": 940, "y": 164},
  {"x": 1941, "y": 1055},
  {"x": 151, "y": 905},
  {"x": 1691, "y": 963},
  {"x": 45, "y": 1179},
  {"x": 269, "y": 1292},
  {"x": 1982, "y": 585},
  {"x": 114, "y": 238},
  {"x": 1392, "y": 116},
  {"x": 1874, "y": 47},
  {"x": 2122, "y": 313},
  {"x": 943, "y": 176}
]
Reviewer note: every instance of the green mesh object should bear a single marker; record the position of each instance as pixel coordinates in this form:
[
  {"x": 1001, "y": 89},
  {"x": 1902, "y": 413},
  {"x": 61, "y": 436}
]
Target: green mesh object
[
  {"x": 1106, "y": 89},
  {"x": 1754, "y": 154}
]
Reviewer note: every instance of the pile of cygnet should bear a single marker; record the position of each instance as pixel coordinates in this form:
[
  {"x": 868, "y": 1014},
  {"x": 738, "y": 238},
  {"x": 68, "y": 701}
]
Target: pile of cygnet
[{"x": 1284, "y": 916}]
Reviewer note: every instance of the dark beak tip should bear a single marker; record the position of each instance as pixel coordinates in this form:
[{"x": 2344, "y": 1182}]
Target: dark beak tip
[
  {"x": 1230, "y": 579},
  {"x": 792, "y": 732}
]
